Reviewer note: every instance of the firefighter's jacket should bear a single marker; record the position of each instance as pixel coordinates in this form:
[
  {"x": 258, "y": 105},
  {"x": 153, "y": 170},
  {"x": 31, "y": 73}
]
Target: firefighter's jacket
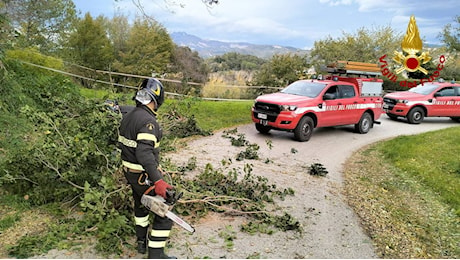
[{"x": 139, "y": 141}]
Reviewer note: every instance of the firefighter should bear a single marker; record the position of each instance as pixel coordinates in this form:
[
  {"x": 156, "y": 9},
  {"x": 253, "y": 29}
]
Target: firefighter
[{"x": 139, "y": 141}]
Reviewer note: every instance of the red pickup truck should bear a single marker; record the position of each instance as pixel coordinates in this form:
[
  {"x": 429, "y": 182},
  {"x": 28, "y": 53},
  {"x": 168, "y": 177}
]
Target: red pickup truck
[
  {"x": 436, "y": 99},
  {"x": 307, "y": 104}
]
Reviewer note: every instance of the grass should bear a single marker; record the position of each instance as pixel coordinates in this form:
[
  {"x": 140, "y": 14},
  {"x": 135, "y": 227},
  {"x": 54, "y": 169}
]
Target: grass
[
  {"x": 210, "y": 115},
  {"x": 432, "y": 159},
  {"x": 406, "y": 192},
  {"x": 215, "y": 115}
]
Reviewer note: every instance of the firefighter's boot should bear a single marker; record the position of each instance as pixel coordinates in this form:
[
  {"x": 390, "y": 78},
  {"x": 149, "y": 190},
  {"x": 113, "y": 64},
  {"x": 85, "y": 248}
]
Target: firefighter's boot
[
  {"x": 158, "y": 253},
  {"x": 142, "y": 246}
]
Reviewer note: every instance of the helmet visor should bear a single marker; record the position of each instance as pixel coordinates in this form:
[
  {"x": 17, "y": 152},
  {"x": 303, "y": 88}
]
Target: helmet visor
[{"x": 143, "y": 97}]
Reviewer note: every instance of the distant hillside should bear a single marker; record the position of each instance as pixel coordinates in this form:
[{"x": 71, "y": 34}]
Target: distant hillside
[{"x": 210, "y": 48}]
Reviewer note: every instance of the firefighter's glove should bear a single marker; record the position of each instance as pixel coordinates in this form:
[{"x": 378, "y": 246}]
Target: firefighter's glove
[{"x": 160, "y": 188}]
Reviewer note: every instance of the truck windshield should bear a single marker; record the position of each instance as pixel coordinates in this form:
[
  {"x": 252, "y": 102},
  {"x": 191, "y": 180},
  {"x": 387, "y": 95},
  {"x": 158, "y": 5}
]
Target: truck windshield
[
  {"x": 304, "y": 88},
  {"x": 425, "y": 89}
]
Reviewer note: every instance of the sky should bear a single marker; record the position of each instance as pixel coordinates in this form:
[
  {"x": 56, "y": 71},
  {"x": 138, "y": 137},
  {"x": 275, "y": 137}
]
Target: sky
[{"x": 294, "y": 23}]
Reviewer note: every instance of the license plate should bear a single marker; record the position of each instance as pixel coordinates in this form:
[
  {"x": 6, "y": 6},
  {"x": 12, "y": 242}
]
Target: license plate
[
  {"x": 385, "y": 106},
  {"x": 262, "y": 116}
]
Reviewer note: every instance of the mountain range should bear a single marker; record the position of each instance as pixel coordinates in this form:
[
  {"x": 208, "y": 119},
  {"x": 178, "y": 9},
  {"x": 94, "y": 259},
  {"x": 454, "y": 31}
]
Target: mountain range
[{"x": 211, "y": 48}]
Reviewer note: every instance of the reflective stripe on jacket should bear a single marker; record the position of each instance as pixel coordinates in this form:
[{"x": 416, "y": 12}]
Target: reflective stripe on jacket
[{"x": 139, "y": 141}]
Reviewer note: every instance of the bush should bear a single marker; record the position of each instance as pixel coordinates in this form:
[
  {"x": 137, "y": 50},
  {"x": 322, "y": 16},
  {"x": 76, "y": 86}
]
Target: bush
[{"x": 66, "y": 150}]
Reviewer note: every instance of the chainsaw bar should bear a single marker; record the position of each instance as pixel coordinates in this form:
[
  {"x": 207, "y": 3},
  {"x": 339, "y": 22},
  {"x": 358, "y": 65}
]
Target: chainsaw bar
[
  {"x": 179, "y": 221},
  {"x": 158, "y": 206}
]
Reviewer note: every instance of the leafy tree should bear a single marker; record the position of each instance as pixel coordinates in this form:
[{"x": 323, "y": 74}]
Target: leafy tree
[
  {"x": 89, "y": 44},
  {"x": 281, "y": 70},
  {"x": 118, "y": 32},
  {"x": 235, "y": 61},
  {"x": 451, "y": 35},
  {"x": 364, "y": 46},
  {"x": 189, "y": 65},
  {"x": 148, "y": 50},
  {"x": 42, "y": 23}
]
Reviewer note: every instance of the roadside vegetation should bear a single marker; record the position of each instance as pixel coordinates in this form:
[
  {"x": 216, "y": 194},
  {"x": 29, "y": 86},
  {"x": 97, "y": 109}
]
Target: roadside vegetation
[
  {"x": 406, "y": 192},
  {"x": 60, "y": 177}
]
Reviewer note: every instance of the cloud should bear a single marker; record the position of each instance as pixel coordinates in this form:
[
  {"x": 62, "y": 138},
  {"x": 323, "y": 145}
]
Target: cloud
[
  {"x": 336, "y": 2},
  {"x": 289, "y": 23}
]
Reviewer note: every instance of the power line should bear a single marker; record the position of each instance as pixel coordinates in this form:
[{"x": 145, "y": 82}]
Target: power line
[{"x": 121, "y": 85}]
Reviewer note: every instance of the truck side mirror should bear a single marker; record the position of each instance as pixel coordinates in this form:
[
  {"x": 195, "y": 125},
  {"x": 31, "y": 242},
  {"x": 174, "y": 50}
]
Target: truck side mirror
[
  {"x": 437, "y": 94},
  {"x": 329, "y": 96}
]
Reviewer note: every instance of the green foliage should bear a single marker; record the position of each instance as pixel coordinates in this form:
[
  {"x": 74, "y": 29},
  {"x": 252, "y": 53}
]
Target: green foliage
[
  {"x": 235, "y": 61},
  {"x": 405, "y": 191},
  {"x": 36, "y": 244},
  {"x": 240, "y": 141},
  {"x": 450, "y": 35},
  {"x": 317, "y": 169},
  {"x": 118, "y": 30},
  {"x": 431, "y": 159},
  {"x": 148, "y": 50},
  {"x": 5, "y": 32},
  {"x": 251, "y": 151},
  {"x": 8, "y": 221},
  {"x": 228, "y": 234},
  {"x": 32, "y": 55},
  {"x": 366, "y": 45},
  {"x": 280, "y": 71},
  {"x": 58, "y": 158},
  {"x": 234, "y": 192},
  {"x": 188, "y": 66},
  {"x": 41, "y": 23},
  {"x": 178, "y": 121},
  {"x": 89, "y": 44}
]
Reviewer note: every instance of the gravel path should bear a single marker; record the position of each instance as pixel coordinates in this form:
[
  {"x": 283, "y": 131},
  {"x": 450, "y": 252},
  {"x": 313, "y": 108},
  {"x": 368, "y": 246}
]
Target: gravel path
[{"x": 330, "y": 228}]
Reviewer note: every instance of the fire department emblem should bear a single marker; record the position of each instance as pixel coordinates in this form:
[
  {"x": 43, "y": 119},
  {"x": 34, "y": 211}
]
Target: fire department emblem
[
  {"x": 150, "y": 126},
  {"x": 411, "y": 45}
]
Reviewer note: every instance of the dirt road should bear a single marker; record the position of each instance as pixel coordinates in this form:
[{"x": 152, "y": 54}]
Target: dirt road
[{"x": 330, "y": 228}]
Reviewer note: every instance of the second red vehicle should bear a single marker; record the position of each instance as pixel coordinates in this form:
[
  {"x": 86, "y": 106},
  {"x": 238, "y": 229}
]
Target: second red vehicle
[{"x": 436, "y": 99}]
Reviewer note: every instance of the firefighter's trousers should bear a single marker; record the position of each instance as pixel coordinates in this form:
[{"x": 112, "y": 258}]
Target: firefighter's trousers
[{"x": 161, "y": 226}]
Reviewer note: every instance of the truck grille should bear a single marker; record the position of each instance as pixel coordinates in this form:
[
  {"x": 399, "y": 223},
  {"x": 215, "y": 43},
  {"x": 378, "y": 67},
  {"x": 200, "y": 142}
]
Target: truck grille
[
  {"x": 389, "y": 101},
  {"x": 271, "y": 110}
]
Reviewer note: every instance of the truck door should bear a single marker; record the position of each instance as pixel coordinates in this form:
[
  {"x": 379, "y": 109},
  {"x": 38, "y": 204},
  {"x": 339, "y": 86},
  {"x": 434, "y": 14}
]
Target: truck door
[
  {"x": 349, "y": 102},
  {"x": 331, "y": 115},
  {"x": 446, "y": 102},
  {"x": 340, "y": 101}
]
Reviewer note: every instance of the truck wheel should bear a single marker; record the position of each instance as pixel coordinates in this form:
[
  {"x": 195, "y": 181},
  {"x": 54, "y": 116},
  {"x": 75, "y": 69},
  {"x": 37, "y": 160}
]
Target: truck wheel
[
  {"x": 304, "y": 129},
  {"x": 365, "y": 123},
  {"x": 415, "y": 115},
  {"x": 263, "y": 129},
  {"x": 392, "y": 117}
]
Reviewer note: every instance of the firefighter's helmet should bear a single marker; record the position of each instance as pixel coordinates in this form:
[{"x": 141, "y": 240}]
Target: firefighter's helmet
[{"x": 150, "y": 90}]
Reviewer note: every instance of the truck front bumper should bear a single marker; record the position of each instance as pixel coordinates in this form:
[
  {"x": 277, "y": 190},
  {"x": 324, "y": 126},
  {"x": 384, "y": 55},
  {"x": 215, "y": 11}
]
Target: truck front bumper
[
  {"x": 399, "y": 109},
  {"x": 284, "y": 120}
]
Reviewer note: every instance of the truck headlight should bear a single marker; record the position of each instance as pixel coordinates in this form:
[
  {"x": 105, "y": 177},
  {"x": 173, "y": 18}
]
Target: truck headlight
[
  {"x": 288, "y": 108},
  {"x": 403, "y": 101}
]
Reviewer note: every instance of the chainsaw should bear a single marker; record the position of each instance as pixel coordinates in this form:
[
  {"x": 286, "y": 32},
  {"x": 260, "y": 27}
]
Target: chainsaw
[{"x": 162, "y": 207}]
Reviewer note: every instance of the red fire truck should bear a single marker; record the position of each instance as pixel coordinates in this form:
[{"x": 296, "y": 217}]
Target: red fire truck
[
  {"x": 435, "y": 99},
  {"x": 350, "y": 95}
]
